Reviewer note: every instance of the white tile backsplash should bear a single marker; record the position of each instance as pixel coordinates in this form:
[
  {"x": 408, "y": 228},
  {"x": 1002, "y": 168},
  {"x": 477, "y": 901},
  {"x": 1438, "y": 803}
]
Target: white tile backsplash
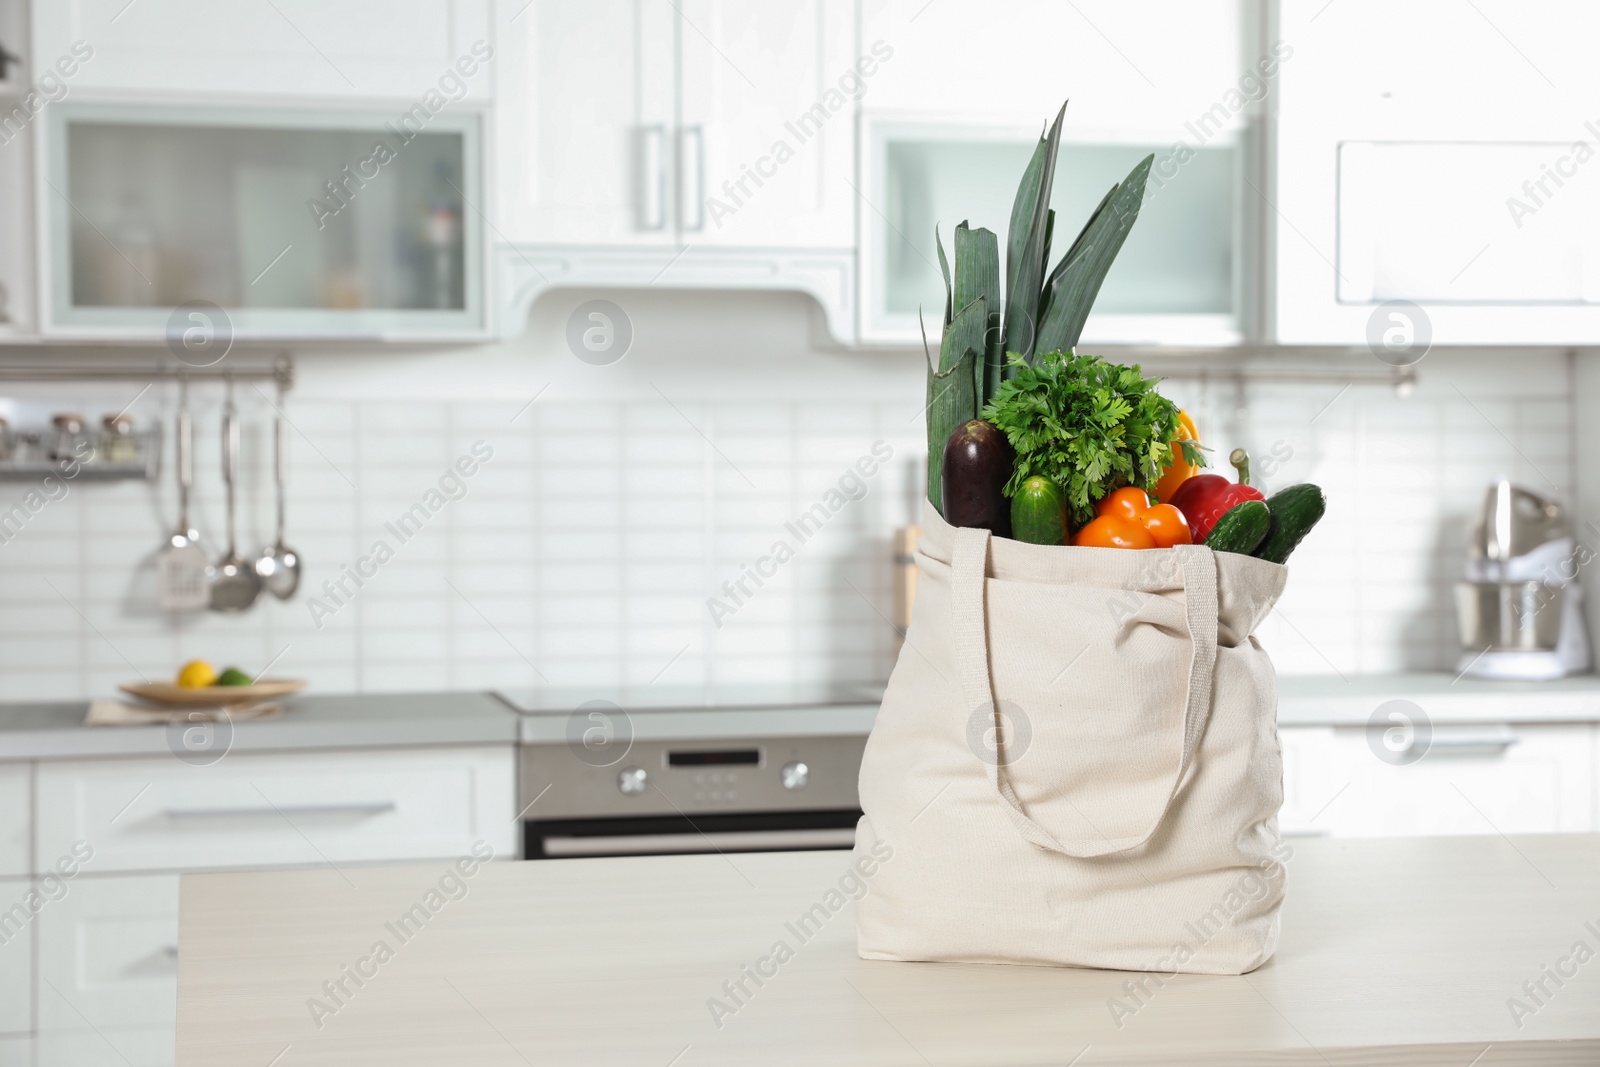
[{"x": 584, "y": 551}]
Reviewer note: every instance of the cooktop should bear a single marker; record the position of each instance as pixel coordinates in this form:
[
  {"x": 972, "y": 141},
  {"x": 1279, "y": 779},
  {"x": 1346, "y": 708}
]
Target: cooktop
[{"x": 563, "y": 700}]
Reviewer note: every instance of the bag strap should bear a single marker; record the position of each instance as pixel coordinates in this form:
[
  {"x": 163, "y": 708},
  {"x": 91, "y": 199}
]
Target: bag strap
[{"x": 969, "y": 569}]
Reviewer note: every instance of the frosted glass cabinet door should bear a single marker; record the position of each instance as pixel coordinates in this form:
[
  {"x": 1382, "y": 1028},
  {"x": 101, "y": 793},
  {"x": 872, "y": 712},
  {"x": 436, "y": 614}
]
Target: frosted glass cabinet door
[
  {"x": 1177, "y": 279},
  {"x": 297, "y": 224}
]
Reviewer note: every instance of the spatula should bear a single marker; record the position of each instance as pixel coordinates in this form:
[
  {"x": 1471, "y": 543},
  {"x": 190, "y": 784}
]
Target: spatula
[{"x": 181, "y": 565}]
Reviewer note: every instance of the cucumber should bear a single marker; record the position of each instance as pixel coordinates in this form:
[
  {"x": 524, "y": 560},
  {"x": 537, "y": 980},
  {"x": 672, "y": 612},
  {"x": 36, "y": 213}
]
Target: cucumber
[
  {"x": 1241, "y": 528},
  {"x": 1295, "y": 511},
  {"x": 1038, "y": 513}
]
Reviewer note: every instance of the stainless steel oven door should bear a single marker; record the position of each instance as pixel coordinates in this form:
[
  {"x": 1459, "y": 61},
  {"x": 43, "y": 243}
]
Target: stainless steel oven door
[{"x": 771, "y": 831}]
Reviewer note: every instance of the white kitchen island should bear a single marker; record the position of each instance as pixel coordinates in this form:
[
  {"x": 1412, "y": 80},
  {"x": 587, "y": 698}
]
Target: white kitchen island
[{"x": 1394, "y": 951}]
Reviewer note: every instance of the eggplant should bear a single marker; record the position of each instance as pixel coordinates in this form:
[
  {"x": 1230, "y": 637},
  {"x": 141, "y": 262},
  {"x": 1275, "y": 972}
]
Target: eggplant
[{"x": 977, "y": 465}]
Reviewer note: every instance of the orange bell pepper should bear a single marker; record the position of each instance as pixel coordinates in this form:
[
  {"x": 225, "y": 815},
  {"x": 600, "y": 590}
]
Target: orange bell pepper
[
  {"x": 1179, "y": 470},
  {"x": 1127, "y": 519},
  {"x": 1113, "y": 531}
]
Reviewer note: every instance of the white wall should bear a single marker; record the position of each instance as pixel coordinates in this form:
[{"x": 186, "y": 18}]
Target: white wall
[{"x": 585, "y": 550}]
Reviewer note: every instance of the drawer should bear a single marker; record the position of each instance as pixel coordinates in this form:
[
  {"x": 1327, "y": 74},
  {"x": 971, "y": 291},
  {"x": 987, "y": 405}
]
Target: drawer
[
  {"x": 141, "y": 1046},
  {"x": 16, "y": 1052},
  {"x": 14, "y": 818},
  {"x": 1477, "y": 779},
  {"x": 279, "y": 809},
  {"x": 109, "y": 949},
  {"x": 17, "y": 930}
]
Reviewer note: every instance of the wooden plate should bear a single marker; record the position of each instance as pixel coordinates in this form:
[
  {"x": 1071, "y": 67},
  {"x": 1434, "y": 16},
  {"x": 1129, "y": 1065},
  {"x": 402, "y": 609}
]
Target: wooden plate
[{"x": 210, "y": 695}]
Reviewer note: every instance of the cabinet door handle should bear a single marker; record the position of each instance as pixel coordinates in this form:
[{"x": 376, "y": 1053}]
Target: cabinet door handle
[
  {"x": 378, "y": 807},
  {"x": 650, "y": 193},
  {"x": 692, "y": 178},
  {"x": 1472, "y": 742},
  {"x": 1471, "y": 746}
]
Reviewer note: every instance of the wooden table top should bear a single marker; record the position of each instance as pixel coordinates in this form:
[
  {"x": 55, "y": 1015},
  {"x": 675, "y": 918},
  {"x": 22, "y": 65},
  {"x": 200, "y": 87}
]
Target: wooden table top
[{"x": 1394, "y": 951}]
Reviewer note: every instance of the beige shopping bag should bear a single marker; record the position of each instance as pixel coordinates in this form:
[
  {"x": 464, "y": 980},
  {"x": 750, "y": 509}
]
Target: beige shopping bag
[{"x": 1076, "y": 761}]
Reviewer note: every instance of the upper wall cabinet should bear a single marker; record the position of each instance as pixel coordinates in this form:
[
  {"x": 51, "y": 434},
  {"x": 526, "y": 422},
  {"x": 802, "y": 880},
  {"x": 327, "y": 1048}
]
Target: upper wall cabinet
[
  {"x": 359, "y": 48},
  {"x": 1181, "y": 278},
  {"x": 1450, "y": 169},
  {"x": 585, "y": 122},
  {"x": 952, "y": 116},
  {"x": 1154, "y": 65},
  {"x": 310, "y": 223},
  {"x": 704, "y": 122}
]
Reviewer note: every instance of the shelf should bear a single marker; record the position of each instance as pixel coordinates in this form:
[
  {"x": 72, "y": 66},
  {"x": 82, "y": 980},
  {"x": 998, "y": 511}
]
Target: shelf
[{"x": 38, "y": 470}]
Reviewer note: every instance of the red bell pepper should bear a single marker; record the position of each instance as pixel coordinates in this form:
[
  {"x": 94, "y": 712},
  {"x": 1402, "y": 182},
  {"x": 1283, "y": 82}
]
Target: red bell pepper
[{"x": 1205, "y": 498}]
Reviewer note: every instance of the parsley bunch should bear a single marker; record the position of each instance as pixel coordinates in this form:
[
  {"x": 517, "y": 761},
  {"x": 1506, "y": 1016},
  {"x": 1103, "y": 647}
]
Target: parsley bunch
[{"x": 1087, "y": 425}]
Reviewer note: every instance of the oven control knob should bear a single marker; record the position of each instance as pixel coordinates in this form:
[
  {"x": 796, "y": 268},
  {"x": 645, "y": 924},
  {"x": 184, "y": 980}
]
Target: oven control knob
[
  {"x": 632, "y": 781},
  {"x": 794, "y": 775}
]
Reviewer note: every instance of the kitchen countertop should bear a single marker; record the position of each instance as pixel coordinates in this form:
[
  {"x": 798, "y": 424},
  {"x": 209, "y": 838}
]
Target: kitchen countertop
[
  {"x": 1330, "y": 700},
  {"x": 1393, "y": 952},
  {"x": 56, "y": 730}
]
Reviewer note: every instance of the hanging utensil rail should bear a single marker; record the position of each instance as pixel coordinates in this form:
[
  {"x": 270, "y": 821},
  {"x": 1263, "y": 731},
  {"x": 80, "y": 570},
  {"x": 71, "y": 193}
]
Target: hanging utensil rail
[{"x": 279, "y": 370}]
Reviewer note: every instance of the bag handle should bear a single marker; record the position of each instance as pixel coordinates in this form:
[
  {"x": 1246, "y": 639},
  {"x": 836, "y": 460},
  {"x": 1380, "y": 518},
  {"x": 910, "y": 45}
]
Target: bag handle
[{"x": 969, "y": 569}]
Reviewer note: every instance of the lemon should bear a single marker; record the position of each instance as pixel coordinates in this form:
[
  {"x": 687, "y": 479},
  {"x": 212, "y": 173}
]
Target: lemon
[{"x": 197, "y": 674}]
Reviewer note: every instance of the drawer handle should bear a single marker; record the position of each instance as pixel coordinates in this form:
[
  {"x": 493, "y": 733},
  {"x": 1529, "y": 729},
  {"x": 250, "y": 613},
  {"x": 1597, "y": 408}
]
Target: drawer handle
[
  {"x": 372, "y": 808},
  {"x": 1486, "y": 743}
]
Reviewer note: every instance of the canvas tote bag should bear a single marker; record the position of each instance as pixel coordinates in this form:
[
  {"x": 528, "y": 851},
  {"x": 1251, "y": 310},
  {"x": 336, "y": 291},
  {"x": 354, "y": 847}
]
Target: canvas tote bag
[{"x": 1076, "y": 761}]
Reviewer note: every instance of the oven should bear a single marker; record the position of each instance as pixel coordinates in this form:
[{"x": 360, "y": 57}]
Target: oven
[{"x": 598, "y": 777}]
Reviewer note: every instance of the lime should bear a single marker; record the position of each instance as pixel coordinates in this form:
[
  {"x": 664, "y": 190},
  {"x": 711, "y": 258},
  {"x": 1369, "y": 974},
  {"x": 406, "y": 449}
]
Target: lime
[{"x": 234, "y": 676}]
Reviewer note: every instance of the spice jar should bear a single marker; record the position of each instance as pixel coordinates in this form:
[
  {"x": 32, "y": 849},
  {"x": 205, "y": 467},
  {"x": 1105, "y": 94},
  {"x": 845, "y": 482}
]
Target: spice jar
[
  {"x": 117, "y": 441},
  {"x": 69, "y": 432}
]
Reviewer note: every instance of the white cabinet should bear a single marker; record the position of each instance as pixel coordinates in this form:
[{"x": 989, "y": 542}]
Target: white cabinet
[
  {"x": 1181, "y": 277},
  {"x": 16, "y": 823},
  {"x": 299, "y": 222},
  {"x": 952, "y": 116},
  {"x": 104, "y": 988},
  {"x": 263, "y": 810},
  {"x": 17, "y": 921},
  {"x": 766, "y": 141},
  {"x": 644, "y": 122},
  {"x": 1473, "y": 779},
  {"x": 1451, "y": 168},
  {"x": 585, "y": 122},
  {"x": 17, "y": 293},
  {"x": 351, "y": 48},
  {"x": 16, "y": 1052},
  {"x": 1151, "y": 65},
  {"x": 108, "y": 973}
]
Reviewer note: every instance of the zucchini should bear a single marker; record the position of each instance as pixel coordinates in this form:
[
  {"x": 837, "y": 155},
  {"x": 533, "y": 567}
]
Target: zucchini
[
  {"x": 1295, "y": 511},
  {"x": 1241, "y": 528},
  {"x": 1038, "y": 512}
]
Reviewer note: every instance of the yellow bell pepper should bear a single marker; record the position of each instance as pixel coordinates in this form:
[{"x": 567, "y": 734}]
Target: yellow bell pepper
[{"x": 1179, "y": 470}]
